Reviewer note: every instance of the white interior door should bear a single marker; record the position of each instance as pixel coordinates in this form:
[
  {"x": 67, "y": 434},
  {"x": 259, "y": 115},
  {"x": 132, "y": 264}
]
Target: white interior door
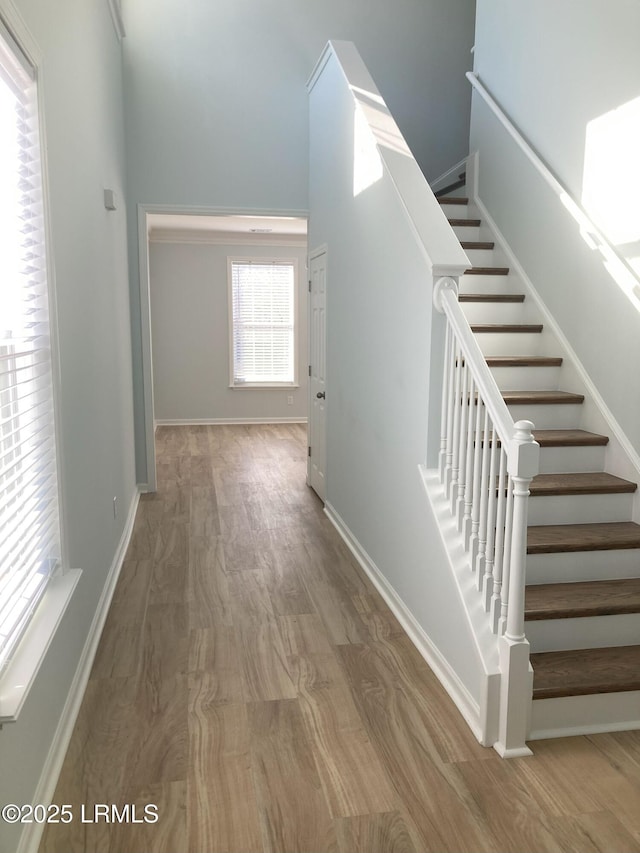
[{"x": 317, "y": 372}]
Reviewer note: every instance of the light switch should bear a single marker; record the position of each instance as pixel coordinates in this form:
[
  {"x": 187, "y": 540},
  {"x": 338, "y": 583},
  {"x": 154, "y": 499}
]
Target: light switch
[{"x": 110, "y": 200}]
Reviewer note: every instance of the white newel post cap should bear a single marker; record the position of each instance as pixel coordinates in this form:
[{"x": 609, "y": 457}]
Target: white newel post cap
[{"x": 524, "y": 452}]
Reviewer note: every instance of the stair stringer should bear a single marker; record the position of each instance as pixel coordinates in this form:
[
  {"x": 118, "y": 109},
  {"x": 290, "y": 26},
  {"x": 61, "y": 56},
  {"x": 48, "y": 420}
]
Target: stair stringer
[{"x": 621, "y": 458}]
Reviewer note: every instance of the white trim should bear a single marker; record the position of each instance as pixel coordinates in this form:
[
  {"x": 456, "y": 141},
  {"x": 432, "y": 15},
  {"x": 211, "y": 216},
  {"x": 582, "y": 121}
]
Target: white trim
[
  {"x": 32, "y": 833},
  {"x": 225, "y": 238},
  {"x": 612, "y": 424},
  {"x": 264, "y": 386},
  {"x": 21, "y": 33},
  {"x": 221, "y": 421},
  {"x": 434, "y": 183},
  {"x": 579, "y": 213},
  {"x": 147, "y": 346},
  {"x": 116, "y": 17},
  {"x": 19, "y": 676},
  {"x": 447, "y": 676},
  {"x": 196, "y": 210},
  {"x": 325, "y": 56},
  {"x": 145, "y": 304}
]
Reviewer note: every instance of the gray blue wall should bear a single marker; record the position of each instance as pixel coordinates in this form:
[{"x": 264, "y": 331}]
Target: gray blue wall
[{"x": 190, "y": 327}]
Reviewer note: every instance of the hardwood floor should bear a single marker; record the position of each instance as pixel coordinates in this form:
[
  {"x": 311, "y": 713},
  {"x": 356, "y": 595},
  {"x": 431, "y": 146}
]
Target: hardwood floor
[{"x": 252, "y": 684}]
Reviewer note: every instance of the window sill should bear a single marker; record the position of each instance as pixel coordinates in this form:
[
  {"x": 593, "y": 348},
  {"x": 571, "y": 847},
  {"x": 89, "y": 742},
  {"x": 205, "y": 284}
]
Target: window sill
[
  {"x": 18, "y": 678},
  {"x": 266, "y": 386}
]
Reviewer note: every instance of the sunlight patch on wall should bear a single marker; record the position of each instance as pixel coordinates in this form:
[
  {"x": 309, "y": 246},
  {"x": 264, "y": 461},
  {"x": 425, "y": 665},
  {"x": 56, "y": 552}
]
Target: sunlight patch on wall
[
  {"x": 611, "y": 181},
  {"x": 367, "y": 163},
  {"x": 610, "y": 190}
]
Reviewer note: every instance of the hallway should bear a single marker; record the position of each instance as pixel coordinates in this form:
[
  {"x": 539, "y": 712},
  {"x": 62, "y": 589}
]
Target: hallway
[{"x": 252, "y": 684}]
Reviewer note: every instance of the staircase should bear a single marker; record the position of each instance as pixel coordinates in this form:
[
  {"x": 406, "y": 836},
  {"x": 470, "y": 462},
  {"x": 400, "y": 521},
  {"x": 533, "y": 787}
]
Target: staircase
[{"x": 582, "y": 602}]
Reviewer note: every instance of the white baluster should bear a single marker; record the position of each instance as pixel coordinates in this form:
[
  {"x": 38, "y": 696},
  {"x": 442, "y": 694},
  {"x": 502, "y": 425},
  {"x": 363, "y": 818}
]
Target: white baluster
[
  {"x": 487, "y": 582},
  {"x": 455, "y": 462},
  {"x": 499, "y": 549},
  {"x": 501, "y": 605},
  {"x": 472, "y": 544},
  {"x": 446, "y": 401},
  {"x": 487, "y": 439},
  {"x": 457, "y": 500},
  {"x": 468, "y": 480}
]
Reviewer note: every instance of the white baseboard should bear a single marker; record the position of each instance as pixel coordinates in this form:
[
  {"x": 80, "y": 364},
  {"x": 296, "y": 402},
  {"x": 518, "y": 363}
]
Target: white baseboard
[
  {"x": 232, "y": 421},
  {"x": 447, "y": 676},
  {"x": 32, "y": 833}
]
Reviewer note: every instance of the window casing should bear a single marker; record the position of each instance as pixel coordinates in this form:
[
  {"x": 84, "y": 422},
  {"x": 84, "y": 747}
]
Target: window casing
[
  {"x": 30, "y": 539},
  {"x": 262, "y": 314}
]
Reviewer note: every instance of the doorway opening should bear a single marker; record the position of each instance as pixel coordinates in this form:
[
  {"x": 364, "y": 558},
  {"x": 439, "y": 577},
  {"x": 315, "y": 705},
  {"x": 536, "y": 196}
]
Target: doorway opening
[{"x": 224, "y": 319}]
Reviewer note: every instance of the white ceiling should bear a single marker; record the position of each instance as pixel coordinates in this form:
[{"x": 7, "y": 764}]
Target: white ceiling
[{"x": 278, "y": 225}]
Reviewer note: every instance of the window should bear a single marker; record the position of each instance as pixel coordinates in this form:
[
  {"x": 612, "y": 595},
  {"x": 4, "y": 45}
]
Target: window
[
  {"x": 29, "y": 517},
  {"x": 262, "y": 308}
]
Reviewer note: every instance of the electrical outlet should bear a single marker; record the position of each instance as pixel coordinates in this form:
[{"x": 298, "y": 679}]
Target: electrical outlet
[
  {"x": 115, "y": 507},
  {"x": 290, "y": 400}
]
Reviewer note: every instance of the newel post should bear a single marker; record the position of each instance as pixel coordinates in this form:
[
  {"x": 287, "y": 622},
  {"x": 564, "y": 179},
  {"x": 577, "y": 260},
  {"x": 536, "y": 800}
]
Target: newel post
[{"x": 516, "y": 674}]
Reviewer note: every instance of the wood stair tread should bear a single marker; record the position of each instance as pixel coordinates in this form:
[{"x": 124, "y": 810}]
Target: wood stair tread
[
  {"x": 588, "y": 483},
  {"x": 583, "y": 672},
  {"x": 564, "y": 538},
  {"x": 487, "y": 271},
  {"x": 569, "y": 438},
  {"x": 584, "y": 598},
  {"x": 505, "y": 328},
  {"x": 535, "y": 398},
  {"x": 523, "y": 361},
  {"x": 471, "y": 223},
  {"x": 451, "y": 199},
  {"x": 491, "y": 297},
  {"x": 477, "y": 244}
]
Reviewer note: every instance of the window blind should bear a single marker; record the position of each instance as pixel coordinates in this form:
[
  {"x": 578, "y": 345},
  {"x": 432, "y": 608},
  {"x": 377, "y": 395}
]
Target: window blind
[
  {"x": 263, "y": 301},
  {"x": 29, "y": 521}
]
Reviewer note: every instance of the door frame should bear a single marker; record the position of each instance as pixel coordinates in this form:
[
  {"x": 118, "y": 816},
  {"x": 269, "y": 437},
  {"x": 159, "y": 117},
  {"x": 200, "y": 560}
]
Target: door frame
[
  {"x": 144, "y": 292},
  {"x": 322, "y": 249}
]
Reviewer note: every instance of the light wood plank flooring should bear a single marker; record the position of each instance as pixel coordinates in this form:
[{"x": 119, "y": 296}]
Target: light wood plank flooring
[{"x": 252, "y": 684}]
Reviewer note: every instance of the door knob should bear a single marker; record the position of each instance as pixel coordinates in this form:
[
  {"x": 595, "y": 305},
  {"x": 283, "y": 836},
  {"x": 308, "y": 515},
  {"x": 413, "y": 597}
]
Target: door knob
[{"x": 320, "y": 395}]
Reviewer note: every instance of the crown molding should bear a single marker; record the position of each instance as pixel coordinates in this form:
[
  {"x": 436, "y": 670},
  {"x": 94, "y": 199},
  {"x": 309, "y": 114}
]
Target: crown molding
[{"x": 224, "y": 238}]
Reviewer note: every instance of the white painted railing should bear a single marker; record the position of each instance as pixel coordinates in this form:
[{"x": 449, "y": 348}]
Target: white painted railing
[{"x": 486, "y": 465}]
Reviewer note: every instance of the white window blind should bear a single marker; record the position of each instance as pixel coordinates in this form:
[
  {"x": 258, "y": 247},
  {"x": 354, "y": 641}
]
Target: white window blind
[
  {"x": 263, "y": 320},
  {"x": 29, "y": 521}
]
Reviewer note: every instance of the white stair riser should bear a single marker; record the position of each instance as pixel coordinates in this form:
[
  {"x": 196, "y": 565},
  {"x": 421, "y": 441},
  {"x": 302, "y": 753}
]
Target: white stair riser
[
  {"x": 571, "y": 460},
  {"x": 575, "y": 715},
  {"x": 510, "y": 343},
  {"x": 489, "y": 284},
  {"x": 466, "y": 232},
  {"x": 456, "y": 211},
  {"x": 583, "y": 566},
  {"x": 493, "y": 312},
  {"x": 481, "y": 257},
  {"x": 527, "y": 378},
  {"x": 589, "y": 632},
  {"x": 548, "y": 416},
  {"x": 579, "y": 509}
]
